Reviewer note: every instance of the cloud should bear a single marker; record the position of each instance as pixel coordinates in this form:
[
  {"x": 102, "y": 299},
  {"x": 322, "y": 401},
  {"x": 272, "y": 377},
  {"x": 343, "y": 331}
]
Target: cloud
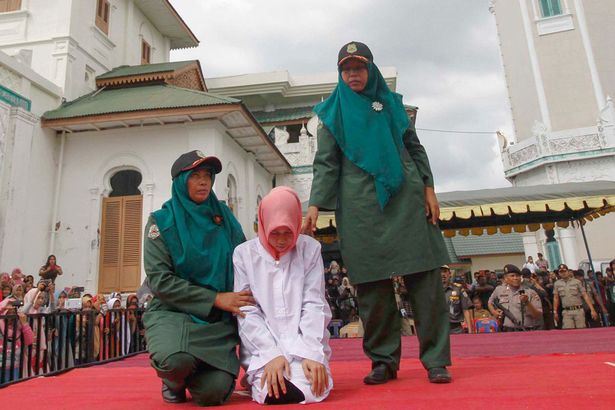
[{"x": 446, "y": 54}]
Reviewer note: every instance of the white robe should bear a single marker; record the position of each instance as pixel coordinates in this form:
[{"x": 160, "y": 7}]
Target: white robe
[{"x": 291, "y": 313}]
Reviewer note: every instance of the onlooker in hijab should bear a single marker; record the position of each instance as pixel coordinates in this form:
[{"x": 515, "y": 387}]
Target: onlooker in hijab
[
  {"x": 17, "y": 276},
  {"x": 18, "y": 292},
  {"x": 6, "y": 290},
  {"x": 40, "y": 342},
  {"x": 13, "y": 330},
  {"x": 50, "y": 270},
  {"x": 5, "y": 278}
]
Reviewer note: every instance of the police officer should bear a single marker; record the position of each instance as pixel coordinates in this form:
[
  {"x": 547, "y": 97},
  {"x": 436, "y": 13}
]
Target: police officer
[
  {"x": 570, "y": 293},
  {"x": 522, "y": 303},
  {"x": 459, "y": 304}
]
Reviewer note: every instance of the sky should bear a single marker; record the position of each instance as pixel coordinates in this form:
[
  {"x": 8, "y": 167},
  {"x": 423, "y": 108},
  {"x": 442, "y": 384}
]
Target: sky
[{"x": 445, "y": 52}]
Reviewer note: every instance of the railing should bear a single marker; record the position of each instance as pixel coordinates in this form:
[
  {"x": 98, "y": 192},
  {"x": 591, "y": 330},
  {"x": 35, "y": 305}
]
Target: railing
[{"x": 63, "y": 340}]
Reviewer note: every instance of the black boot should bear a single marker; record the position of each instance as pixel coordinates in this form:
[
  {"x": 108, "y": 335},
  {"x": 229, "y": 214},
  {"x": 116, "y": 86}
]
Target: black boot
[
  {"x": 380, "y": 374},
  {"x": 170, "y": 396},
  {"x": 439, "y": 375}
]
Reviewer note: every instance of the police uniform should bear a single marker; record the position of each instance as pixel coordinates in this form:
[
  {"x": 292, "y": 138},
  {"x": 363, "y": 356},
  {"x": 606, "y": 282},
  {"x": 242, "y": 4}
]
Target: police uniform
[
  {"x": 510, "y": 299},
  {"x": 458, "y": 302},
  {"x": 192, "y": 344},
  {"x": 369, "y": 239},
  {"x": 571, "y": 293}
]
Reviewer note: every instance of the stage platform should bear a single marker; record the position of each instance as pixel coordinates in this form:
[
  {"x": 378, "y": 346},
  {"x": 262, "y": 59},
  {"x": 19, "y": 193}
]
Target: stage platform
[{"x": 538, "y": 370}]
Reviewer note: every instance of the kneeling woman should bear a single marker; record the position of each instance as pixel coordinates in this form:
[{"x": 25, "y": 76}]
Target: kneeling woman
[
  {"x": 191, "y": 333},
  {"x": 284, "y": 338}
]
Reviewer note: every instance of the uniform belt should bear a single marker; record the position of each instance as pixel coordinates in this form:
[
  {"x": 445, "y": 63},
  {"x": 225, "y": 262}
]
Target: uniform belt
[{"x": 574, "y": 307}]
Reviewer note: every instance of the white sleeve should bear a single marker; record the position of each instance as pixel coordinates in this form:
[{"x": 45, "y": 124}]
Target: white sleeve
[
  {"x": 315, "y": 313},
  {"x": 253, "y": 330}
]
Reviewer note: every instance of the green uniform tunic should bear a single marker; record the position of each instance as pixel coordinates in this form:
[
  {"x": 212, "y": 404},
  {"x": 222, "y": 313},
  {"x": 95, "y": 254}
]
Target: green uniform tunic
[
  {"x": 377, "y": 244},
  {"x": 169, "y": 327}
]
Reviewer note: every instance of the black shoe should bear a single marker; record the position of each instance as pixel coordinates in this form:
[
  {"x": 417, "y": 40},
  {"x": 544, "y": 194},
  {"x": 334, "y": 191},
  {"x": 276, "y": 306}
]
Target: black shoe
[
  {"x": 439, "y": 375},
  {"x": 170, "y": 396},
  {"x": 380, "y": 374}
]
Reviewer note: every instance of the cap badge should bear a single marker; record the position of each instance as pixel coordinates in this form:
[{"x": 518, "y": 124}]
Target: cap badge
[
  {"x": 352, "y": 48},
  {"x": 153, "y": 232},
  {"x": 377, "y": 106},
  {"x": 200, "y": 154}
]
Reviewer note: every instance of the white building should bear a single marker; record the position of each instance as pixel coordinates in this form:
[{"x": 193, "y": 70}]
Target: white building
[
  {"x": 79, "y": 179},
  {"x": 559, "y": 64},
  {"x": 283, "y": 105}
]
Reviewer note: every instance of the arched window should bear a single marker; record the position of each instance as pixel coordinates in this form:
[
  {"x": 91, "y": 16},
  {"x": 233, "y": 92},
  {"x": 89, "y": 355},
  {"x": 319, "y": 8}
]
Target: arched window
[
  {"x": 231, "y": 187},
  {"x": 125, "y": 183}
]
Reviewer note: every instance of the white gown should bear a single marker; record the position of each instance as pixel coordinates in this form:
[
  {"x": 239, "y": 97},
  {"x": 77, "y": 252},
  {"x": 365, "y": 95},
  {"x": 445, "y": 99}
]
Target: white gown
[{"x": 291, "y": 313}]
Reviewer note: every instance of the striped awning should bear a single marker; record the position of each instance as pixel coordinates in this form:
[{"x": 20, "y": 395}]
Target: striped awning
[
  {"x": 518, "y": 209},
  {"x": 523, "y": 209}
]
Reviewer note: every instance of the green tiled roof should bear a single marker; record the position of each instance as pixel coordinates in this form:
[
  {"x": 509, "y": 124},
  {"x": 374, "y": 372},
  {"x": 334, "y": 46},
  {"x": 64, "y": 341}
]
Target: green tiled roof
[
  {"x": 138, "y": 98},
  {"x": 451, "y": 251},
  {"x": 498, "y": 244},
  {"x": 283, "y": 114},
  {"x": 129, "y": 70}
]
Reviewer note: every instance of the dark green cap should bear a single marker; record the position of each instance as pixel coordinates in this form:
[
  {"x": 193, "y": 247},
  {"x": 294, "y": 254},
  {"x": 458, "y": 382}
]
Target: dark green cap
[{"x": 357, "y": 50}]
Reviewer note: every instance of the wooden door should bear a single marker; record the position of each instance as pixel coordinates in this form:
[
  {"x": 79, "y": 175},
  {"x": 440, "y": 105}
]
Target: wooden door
[{"x": 120, "y": 244}]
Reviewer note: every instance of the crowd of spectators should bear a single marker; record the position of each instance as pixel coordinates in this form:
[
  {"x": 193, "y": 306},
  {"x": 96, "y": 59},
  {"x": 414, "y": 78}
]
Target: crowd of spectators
[
  {"x": 536, "y": 276},
  {"x": 340, "y": 294},
  {"x": 468, "y": 296},
  {"x": 45, "y": 329}
]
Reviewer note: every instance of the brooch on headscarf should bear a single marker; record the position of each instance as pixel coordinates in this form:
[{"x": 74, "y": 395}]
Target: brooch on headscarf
[
  {"x": 218, "y": 219},
  {"x": 377, "y": 106}
]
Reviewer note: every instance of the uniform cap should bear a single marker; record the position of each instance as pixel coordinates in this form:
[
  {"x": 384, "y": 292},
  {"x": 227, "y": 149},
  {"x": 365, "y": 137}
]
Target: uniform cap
[
  {"x": 510, "y": 268},
  {"x": 354, "y": 49},
  {"x": 193, "y": 159},
  {"x": 445, "y": 267},
  {"x": 563, "y": 266}
]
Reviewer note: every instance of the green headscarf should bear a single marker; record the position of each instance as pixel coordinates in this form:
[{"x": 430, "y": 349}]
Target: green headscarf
[
  {"x": 371, "y": 139},
  {"x": 200, "y": 248}
]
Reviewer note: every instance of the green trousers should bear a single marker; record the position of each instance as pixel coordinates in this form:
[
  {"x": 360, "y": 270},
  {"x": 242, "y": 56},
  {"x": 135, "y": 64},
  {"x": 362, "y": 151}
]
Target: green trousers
[
  {"x": 207, "y": 385},
  {"x": 382, "y": 323}
]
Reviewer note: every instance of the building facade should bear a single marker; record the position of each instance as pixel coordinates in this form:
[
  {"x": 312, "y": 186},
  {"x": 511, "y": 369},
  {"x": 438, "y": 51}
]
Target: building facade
[
  {"x": 93, "y": 114},
  {"x": 560, "y": 73}
]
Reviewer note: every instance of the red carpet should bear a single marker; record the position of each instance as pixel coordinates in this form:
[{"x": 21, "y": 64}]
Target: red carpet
[{"x": 559, "y": 370}]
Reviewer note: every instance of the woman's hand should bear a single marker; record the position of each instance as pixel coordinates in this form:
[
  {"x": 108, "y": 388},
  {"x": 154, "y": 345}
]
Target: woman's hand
[
  {"x": 432, "y": 208},
  {"x": 309, "y": 225},
  {"x": 316, "y": 373},
  {"x": 273, "y": 375},
  {"x": 232, "y": 301},
  {"x": 22, "y": 318}
]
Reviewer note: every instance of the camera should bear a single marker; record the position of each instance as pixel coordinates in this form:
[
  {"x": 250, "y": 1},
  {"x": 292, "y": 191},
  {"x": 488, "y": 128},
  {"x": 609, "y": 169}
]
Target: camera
[{"x": 17, "y": 303}]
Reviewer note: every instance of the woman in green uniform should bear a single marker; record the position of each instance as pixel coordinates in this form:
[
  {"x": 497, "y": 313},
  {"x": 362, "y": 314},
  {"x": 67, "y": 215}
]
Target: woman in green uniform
[
  {"x": 372, "y": 170},
  {"x": 188, "y": 247}
]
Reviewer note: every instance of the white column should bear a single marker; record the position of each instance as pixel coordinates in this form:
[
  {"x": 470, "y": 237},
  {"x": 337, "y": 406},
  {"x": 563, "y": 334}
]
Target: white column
[
  {"x": 589, "y": 53},
  {"x": 148, "y": 208},
  {"x": 568, "y": 244},
  {"x": 15, "y": 189},
  {"x": 530, "y": 244},
  {"x": 91, "y": 282},
  {"x": 540, "y": 89}
]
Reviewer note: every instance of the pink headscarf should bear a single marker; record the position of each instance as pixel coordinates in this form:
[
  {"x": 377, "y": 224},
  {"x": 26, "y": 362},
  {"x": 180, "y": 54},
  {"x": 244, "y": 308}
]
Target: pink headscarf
[
  {"x": 279, "y": 208},
  {"x": 17, "y": 276}
]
